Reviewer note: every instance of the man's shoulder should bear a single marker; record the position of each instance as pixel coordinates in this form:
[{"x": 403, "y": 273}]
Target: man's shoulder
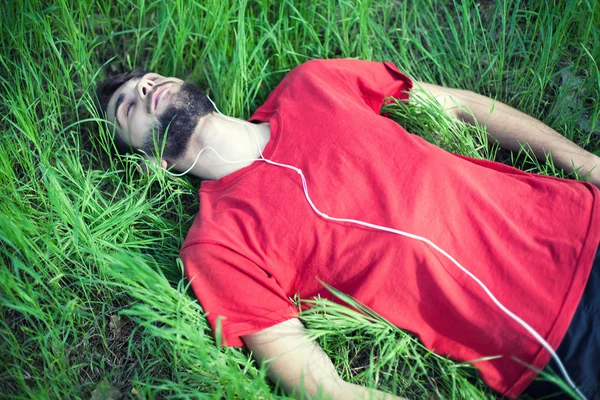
[
  {"x": 320, "y": 66},
  {"x": 216, "y": 218}
]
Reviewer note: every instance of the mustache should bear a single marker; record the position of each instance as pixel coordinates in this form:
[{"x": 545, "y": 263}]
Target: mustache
[{"x": 151, "y": 96}]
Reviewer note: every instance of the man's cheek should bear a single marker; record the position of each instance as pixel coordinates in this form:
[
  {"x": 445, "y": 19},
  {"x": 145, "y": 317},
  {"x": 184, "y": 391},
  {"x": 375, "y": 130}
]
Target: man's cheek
[{"x": 151, "y": 132}]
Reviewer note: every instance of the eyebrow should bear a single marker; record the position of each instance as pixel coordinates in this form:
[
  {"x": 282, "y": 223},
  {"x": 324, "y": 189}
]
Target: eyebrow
[{"x": 117, "y": 104}]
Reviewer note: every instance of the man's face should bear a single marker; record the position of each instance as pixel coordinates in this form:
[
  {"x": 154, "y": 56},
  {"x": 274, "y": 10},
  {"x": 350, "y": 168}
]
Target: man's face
[{"x": 136, "y": 107}]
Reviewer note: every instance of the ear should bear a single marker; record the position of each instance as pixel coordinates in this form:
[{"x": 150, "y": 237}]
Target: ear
[{"x": 145, "y": 164}]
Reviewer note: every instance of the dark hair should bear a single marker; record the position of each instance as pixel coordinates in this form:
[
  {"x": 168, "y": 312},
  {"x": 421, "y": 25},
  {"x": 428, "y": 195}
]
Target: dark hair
[
  {"x": 103, "y": 94},
  {"x": 179, "y": 119}
]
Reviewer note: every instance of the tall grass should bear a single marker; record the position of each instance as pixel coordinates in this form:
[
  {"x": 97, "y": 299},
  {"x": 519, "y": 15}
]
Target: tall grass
[{"x": 92, "y": 296}]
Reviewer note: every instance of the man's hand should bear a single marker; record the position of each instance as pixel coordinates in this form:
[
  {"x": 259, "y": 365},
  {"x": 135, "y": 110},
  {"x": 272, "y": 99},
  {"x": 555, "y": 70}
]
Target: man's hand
[
  {"x": 300, "y": 366},
  {"x": 514, "y": 129}
]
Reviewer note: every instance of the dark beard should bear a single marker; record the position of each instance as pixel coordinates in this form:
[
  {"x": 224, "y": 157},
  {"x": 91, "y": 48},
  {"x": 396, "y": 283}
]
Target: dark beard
[{"x": 178, "y": 122}]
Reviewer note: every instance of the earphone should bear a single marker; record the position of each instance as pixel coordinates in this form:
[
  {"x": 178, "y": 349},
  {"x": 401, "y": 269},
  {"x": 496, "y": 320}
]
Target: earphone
[{"x": 488, "y": 292}]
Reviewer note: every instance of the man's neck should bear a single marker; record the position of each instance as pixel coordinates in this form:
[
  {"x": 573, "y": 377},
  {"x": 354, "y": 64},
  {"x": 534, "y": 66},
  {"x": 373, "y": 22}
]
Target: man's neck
[{"x": 233, "y": 139}]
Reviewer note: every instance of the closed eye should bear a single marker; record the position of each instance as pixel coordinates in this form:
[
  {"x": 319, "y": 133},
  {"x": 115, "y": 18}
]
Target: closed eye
[{"x": 129, "y": 107}]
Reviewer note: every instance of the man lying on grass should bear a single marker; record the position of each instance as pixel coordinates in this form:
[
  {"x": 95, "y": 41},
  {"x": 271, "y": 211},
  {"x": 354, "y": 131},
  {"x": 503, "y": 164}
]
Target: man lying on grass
[{"x": 256, "y": 243}]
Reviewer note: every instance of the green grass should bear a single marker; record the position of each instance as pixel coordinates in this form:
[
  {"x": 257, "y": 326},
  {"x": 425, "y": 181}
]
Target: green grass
[{"x": 90, "y": 287}]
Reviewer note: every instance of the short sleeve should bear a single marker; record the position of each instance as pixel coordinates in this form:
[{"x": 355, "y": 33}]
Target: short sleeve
[
  {"x": 372, "y": 81},
  {"x": 238, "y": 296},
  {"x": 362, "y": 82}
]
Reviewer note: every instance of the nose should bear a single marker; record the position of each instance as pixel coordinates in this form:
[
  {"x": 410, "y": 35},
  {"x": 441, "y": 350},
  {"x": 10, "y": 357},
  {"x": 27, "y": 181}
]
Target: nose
[{"x": 145, "y": 85}]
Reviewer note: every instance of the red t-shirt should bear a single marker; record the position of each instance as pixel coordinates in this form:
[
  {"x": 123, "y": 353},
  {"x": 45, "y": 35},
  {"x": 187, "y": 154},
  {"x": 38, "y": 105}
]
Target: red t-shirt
[{"x": 256, "y": 242}]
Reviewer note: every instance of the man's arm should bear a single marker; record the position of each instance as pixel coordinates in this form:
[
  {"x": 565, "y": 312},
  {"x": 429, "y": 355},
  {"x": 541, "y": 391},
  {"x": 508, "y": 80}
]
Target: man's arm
[
  {"x": 300, "y": 366},
  {"x": 512, "y": 129}
]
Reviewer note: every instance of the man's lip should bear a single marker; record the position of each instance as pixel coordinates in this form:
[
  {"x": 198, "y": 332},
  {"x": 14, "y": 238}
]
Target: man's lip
[{"x": 157, "y": 95}]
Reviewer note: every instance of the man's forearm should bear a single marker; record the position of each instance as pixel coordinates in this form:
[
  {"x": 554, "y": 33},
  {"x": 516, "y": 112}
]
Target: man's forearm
[
  {"x": 514, "y": 129},
  {"x": 350, "y": 391},
  {"x": 300, "y": 366}
]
